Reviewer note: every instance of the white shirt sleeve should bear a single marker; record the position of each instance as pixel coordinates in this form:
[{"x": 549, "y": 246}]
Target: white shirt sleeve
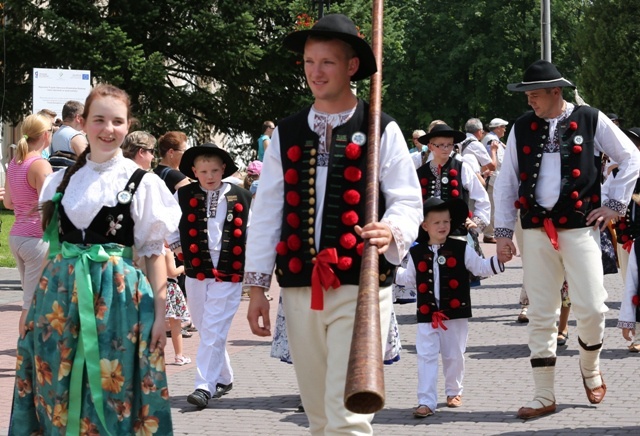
[
  {"x": 406, "y": 276},
  {"x": 401, "y": 189},
  {"x": 482, "y": 206},
  {"x": 613, "y": 142},
  {"x": 505, "y": 192}
]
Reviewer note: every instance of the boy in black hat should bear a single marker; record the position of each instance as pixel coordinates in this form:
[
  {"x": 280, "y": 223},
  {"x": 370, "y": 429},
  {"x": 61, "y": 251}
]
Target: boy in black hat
[
  {"x": 311, "y": 210},
  {"x": 438, "y": 268},
  {"x": 551, "y": 172},
  {"x": 211, "y": 239}
]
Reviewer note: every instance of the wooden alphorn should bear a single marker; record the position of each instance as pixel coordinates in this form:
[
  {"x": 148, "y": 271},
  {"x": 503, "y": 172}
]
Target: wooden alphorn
[{"x": 364, "y": 390}]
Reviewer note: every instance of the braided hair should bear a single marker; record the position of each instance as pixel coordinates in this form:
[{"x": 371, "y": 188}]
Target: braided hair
[{"x": 99, "y": 91}]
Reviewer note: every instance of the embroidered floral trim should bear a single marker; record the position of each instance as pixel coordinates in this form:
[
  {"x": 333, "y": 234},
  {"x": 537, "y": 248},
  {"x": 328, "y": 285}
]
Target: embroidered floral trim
[
  {"x": 502, "y": 232},
  {"x": 621, "y": 208},
  {"x": 437, "y": 186},
  {"x": 257, "y": 279},
  {"x": 397, "y": 236},
  {"x": 626, "y": 324}
]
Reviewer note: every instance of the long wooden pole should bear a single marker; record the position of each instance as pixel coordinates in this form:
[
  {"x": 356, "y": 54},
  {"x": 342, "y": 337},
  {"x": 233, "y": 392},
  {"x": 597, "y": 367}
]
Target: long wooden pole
[{"x": 364, "y": 390}]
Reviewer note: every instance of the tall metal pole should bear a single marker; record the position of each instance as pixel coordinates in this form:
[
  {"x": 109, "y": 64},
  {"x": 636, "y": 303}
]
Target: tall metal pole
[
  {"x": 545, "y": 24},
  {"x": 321, "y": 7}
]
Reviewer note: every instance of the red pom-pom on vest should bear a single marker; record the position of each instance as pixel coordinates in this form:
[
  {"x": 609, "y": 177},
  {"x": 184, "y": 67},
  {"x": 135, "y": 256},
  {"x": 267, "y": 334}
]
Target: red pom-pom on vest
[
  {"x": 453, "y": 284},
  {"x": 294, "y": 243},
  {"x": 422, "y": 288},
  {"x": 535, "y": 220},
  {"x": 575, "y": 173},
  {"x": 200, "y": 276},
  {"x": 352, "y": 174},
  {"x": 236, "y": 265},
  {"x": 193, "y": 202},
  {"x": 454, "y": 303},
  {"x": 238, "y": 207},
  {"x": 293, "y": 220},
  {"x": 193, "y": 248},
  {"x": 526, "y": 149},
  {"x": 237, "y": 250},
  {"x": 350, "y": 218},
  {"x": 237, "y": 222},
  {"x": 281, "y": 248},
  {"x": 344, "y": 263},
  {"x": 295, "y": 265},
  {"x": 196, "y": 262},
  {"x": 534, "y": 126},
  {"x": 360, "y": 248},
  {"x": 191, "y": 218},
  {"x": 291, "y": 176},
  {"x": 635, "y": 300},
  {"x": 348, "y": 241},
  {"x": 575, "y": 195},
  {"x": 424, "y": 309},
  {"x": 563, "y": 220},
  {"x": 351, "y": 196},
  {"x": 454, "y": 183},
  {"x": 237, "y": 233},
  {"x": 294, "y": 153},
  {"x": 422, "y": 266},
  {"x": 577, "y": 149},
  {"x": 293, "y": 198},
  {"x": 193, "y": 233},
  {"x": 451, "y": 262},
  {"x": 573, "y": 125},
  {"x": 455, "y": 193},
  {"x": 453, "y": 172},
  {"x": 352, "y": 151}
]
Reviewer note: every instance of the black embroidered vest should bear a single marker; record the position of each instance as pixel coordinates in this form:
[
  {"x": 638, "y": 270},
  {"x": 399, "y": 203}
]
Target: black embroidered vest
[
  {"x": 194, "y": 236},
  {"x": 110, "y": 225},
  {"x": 450, "y": 184},
  {"x": 344, "y": 202},
  {"x": 628, "y": 227},
  {"x": 455, "y": 294},
  {"x": 580, "y": 168}
]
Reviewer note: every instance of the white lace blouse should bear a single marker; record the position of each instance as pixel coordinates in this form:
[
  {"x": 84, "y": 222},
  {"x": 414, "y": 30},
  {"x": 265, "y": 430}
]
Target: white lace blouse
[{"x": 154, "y": 210}]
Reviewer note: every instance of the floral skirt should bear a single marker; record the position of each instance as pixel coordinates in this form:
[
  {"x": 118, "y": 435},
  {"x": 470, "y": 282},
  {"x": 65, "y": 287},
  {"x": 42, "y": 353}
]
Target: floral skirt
[
  {"x": 133, "y": 380},
  {"x": 176, "y": 304}
]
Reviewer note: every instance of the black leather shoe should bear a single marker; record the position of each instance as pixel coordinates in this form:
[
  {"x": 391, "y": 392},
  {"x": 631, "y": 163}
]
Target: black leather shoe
[
  {"x": 222, "y": 390},
  {"x": 199, "y": 398}
]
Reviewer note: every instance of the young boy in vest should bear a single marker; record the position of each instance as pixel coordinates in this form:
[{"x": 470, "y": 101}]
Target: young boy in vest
[
  {"x": 211, "y": 238},
  {"x": 438, "y": 268}
]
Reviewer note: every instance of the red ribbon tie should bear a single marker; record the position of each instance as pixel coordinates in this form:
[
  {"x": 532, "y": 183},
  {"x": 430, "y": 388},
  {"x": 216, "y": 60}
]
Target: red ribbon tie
[
  {"x": 323, "y": 277},
  {"x": 437, "y": 320},
  {"x": 552, "y": 233},
  {"x": 627, "y": 245}
]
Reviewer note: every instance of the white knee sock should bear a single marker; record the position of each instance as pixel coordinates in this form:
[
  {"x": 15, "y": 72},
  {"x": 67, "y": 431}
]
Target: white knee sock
[
  {"x": 590, "y": 367},
  {"x": 544, "y": 394}
]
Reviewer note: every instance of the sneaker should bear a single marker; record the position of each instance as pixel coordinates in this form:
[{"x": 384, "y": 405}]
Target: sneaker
[
  {"x": 522, "y": 318},
  {"x": 222, "y": 390},
  {"x": 199, "y": 398},
  {"x": 181, "y": 360}
]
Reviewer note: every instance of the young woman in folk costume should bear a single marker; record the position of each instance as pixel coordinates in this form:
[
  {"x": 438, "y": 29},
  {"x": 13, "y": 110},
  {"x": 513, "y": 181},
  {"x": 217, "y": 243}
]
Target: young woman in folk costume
[{"x": 92, "y": 361}]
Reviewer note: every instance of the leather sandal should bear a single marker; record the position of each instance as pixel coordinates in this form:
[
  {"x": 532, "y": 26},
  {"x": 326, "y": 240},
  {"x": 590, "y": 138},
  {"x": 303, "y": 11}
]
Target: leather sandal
[
  {"x": 562, "y": 338},
  {"x": 530, "y": 412},
  {"x": 454, "y": 401},
  {"x": 595, "y": 395}
]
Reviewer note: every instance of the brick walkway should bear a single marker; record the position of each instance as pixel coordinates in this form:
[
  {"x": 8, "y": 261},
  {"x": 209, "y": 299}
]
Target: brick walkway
[{"x": 497, "y": 381}]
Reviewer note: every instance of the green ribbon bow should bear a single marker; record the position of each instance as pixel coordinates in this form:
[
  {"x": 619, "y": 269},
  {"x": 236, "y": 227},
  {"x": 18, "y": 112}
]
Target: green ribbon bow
[{"x": 88, "y": 353}]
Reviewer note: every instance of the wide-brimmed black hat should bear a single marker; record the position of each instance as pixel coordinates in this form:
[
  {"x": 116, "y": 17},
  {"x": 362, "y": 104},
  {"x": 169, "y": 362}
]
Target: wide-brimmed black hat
[
  {"x": 207, "y": 149},
  {"x": 340, "y": 27},
  {"x": 440, "y": 131},
  {"x": 457, "y": 208},
  {"x": 540, "y": 74},
  {"x": 614, "y": 117}
]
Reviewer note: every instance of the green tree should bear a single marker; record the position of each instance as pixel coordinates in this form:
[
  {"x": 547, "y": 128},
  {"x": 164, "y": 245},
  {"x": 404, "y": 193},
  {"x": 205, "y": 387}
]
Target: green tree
[
  {"x": 461, "y": 55},
  {"x": 610, "y": 50}
]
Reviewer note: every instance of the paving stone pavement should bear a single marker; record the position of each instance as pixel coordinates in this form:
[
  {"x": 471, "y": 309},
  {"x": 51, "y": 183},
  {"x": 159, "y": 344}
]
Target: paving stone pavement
[{"x": 497, "y": 380}]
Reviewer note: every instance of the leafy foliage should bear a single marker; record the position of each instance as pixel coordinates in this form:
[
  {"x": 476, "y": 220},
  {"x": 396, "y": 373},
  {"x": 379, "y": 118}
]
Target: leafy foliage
[{"x": 610, "y": 50}]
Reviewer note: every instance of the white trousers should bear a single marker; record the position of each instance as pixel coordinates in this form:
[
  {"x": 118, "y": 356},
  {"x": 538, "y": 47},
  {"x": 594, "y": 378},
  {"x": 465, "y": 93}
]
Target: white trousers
[
  {"x": 320, "y": 342},
  {"x": 212, "y": 306},
  {"x": 579, "y": 260},
  {"x": 451, "y": 344}
]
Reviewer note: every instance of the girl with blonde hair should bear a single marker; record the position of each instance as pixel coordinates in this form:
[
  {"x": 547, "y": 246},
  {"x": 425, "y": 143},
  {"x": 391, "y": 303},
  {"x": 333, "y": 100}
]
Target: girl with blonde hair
[{"x": 25, "y": 176}]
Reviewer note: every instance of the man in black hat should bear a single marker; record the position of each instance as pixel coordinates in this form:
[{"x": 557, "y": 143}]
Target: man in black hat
[
  {"x": 551, "y": 172},
  {"x": 211, "y": 239},
  {"x": 309, "y": 219}
]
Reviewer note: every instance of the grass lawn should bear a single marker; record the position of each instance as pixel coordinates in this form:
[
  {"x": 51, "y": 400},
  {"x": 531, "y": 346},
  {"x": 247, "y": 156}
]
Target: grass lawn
[{"x": 6, "y": 258}]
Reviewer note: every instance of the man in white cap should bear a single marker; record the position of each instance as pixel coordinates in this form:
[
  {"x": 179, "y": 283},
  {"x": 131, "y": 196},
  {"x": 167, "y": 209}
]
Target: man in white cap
[
  {"x": 495, "y": 147},
  {"x": 551, "y": 172}
]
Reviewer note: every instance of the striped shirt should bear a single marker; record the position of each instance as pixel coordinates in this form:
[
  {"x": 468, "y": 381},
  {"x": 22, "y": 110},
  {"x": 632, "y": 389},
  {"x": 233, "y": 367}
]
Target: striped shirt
[{"x": 25, "y": 200}]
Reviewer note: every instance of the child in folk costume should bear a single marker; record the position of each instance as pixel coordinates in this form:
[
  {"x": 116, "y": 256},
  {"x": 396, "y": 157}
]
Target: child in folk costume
[
  {"x": 438, "y": 267},
  {"x": 92, "y": 361},
  {"x": 211, "y": 239}
]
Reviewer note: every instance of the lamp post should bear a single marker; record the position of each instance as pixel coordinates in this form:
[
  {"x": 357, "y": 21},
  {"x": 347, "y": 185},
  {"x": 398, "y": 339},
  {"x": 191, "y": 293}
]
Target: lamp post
[
  {"x": 320, "y": 4},
  {"x": 545, "y": 26}
]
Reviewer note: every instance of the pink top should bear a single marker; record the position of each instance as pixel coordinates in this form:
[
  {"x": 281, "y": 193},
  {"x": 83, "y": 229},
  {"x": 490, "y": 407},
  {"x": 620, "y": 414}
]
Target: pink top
[{"x": 25, "y": 200}]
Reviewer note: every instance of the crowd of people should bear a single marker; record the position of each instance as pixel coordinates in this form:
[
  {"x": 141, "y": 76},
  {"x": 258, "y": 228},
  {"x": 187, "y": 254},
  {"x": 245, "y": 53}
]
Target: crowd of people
[{"x": 123, "y": 240}]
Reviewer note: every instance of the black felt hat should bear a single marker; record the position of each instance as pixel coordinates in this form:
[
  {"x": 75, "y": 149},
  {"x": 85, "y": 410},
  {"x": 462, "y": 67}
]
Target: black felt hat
[
  {"x": 457, "y": 208},
  {"x": 614, "y": 117},
  {"x": 442, "y": 130},
  {"x": 207, "y": 149},
  {"x": 340, "y": 27},
  {"x": 540, "y": 74}
]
